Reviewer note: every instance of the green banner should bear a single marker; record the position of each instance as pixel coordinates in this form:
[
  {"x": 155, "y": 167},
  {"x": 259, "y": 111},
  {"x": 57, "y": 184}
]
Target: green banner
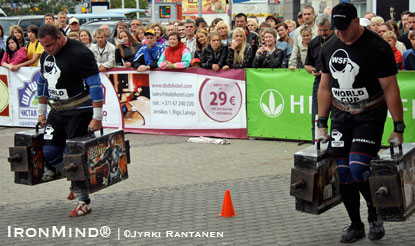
[{"x": 279, "y": 104}]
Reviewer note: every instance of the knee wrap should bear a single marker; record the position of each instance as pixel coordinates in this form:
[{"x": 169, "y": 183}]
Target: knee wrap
[
  {"x": 53, "y": 154},
  {"x": 360, "y": 166},
  {"x": 343, "y": 169}
]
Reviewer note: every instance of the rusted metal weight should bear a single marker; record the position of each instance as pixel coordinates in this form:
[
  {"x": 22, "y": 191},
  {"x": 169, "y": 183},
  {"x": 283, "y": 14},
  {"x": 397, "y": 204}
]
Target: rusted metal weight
[
  {"x": 392, "y": 183},
  {"x": 314, "y": 180}
]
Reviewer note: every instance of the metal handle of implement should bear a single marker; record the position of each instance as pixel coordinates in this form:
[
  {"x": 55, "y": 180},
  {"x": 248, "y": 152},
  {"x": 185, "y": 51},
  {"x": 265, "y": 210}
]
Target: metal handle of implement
[
  {"x": 392, "y": 152},
  {"x": 70, "y": 167},
  {"x": 15, "y": 157},
  {"x": 298, "y": 185},
  {"x": 91, "y": 133},
  {"x": 382, "y": 191}
]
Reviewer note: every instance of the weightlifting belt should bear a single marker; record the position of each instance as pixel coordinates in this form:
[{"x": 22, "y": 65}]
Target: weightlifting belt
[
  {"x": 72, "y": 103},
  {"x": 358, "y": 108}
]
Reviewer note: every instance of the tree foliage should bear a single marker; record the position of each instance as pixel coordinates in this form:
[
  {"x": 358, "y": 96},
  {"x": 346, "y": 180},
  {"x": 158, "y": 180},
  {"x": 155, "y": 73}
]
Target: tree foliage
[
  {"x": 37, "y": 7},
  {"x": 130, "y": 4}
]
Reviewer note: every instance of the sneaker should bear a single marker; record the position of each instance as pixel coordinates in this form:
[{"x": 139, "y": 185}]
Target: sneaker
[
  {"x": 48, "y": 175},
  {"x": 376, "y": 230},
  {"x": 72, "y": 195},
  {"x": 351, "y": 235},
  {"x": 81, "y": 209}
]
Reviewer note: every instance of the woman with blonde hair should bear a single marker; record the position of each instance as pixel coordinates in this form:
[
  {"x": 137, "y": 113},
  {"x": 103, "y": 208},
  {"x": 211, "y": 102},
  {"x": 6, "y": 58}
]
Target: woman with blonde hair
[
  {"x": 299, "y": 51},
  {"x": 239, "y": 52},
  {"x": 375, "y": 23},
  {"x": 223, "y": 29},
  {"x": 201, "y": 42},
  {"x": 252, "y": 25}
]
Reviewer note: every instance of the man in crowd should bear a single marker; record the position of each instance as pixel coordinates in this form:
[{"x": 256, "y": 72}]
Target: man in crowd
[
  {"x": 104, "y": 51},
  {"x": 312, "y": 61},
  {"x": 181, "y": 29},
  {"x": 308, "y": 17},
  {"x": 74, "y": 25},
  {"x": 190, "y": 40},
  {"x": 252, "y": 38},
  {"x": 404, "y": 20},
  {"x": 134, "y": 24},
  {"x": 369, "y": 15},
  {"x": 49, "y": 19},
  {"x": 404, "y": 38},
  {"x": 66, "y": 66},
  {"x": 358, "y": 85},
  {"x": 409, "y": 55},
  {"x": 63, "y": 18}
]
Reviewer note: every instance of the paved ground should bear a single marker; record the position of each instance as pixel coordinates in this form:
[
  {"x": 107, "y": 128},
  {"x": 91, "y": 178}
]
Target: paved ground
[{"x": 176, "y": 188}]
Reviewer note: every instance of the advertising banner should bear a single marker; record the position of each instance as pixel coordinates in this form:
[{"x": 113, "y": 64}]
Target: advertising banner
[
  {"x": 23, "y": 90},
  {"x": 5, "y": 106},
  {"x": 279, "y": 104},
  {"x": 189, "y": 102},
  {"x": 209, "y": 7}
]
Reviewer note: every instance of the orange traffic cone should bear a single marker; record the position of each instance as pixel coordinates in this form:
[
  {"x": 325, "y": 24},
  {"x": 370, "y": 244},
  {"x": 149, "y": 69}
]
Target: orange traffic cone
[{"x": 227, "y": 207}]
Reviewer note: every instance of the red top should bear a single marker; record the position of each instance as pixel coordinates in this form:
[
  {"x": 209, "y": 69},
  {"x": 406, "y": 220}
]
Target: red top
[
  {"x": 174, "y": 54},
  {"x": 398, "y": 58},
  {"x": 19, "y": 56}
]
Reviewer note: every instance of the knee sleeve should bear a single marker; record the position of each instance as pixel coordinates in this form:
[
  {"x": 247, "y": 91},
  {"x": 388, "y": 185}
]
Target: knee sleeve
[
  {"x": 359, "y": 166},
  {"x": 53, "y": 154},
  {"x": 343, "y": 169}
]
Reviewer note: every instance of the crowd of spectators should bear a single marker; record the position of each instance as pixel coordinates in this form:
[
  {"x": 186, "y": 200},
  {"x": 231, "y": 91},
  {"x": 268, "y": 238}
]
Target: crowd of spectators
[{"x": 273, "y": 43}]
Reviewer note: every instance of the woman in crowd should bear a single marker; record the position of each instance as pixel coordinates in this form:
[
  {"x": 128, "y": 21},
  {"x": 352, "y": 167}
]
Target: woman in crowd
[
  {"x": 201, "y": 42},
  {"x": 291, "y": 26},
  {"x": 176, "y": 56},
  {"x": 239, "y": 52},
  {"x": 126, "y": 49},
  {"x": 268, "y": 55},
  {"x": 272, "y": 21},
  {"x": 215, "y": 54},
  {"x": 85, "y": 37},
  {"x": 299, "y": 51},
  {"x": 139, "y": 34},
  {"x": 223, "y": 29},
  {"x": 15, "y": 54},
  {"x": 212, "y": 26},
  {"x": 252, "y": 25},
  {"x": 285, "y": 43},
  {"x": 17, "y": 31},
  {"x": 158, "y": 28},
  {"x": 375, "y": 23},
  {"x": 121, "y": 25}
]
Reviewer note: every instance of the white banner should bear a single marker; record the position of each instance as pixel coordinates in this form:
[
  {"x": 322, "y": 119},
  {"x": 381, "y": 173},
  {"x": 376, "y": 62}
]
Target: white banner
[{"x": 192, "y": 102}]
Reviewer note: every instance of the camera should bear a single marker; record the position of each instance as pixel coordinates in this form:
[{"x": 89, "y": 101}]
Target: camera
[{"x": 122, "y": 41}]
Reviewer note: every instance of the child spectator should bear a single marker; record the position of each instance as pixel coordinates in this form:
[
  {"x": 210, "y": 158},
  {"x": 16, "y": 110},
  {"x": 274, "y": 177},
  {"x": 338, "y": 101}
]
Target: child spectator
[
  {"x": 391, "y": 38},
  {"x": 33, "y": 48}
]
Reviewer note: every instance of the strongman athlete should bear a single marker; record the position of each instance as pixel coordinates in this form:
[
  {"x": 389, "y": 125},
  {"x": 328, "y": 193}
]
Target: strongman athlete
[
  {"x": 70, "y": 84},
  {"x": 358, "y": 85}
]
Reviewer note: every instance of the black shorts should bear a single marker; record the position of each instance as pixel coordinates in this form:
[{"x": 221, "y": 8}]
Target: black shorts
[
  {"x": 360, "y": 133},
  {"x": 62, "y": 126}
]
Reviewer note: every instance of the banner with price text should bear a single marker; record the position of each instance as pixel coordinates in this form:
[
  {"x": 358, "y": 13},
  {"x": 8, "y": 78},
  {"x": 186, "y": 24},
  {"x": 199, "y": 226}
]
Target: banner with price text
[{"x": 193, "y": 102}]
